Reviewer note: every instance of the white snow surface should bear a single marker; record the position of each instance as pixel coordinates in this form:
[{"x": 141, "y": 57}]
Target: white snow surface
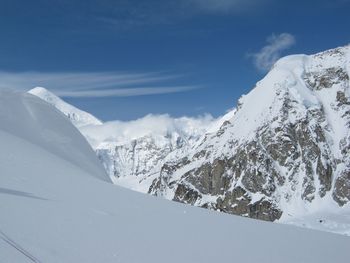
[
  {"x": 30, "y": 119},
  {"x": 78, "y": 117},
  {"x": 55, "y": 207}
]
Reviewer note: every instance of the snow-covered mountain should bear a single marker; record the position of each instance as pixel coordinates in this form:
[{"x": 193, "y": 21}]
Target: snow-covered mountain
[
  {"x": 133, "y": 152},
  {"x": 78, "y": 117},
  {"x": 284, "y": 154},
  {"x": 57, "y": 206}
]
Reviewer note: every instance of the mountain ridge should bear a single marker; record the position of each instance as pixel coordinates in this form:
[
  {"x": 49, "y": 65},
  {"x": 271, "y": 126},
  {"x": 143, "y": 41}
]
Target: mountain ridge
[
  {"x": 283, "y": 153},
  {"x": 78, "y": 117}
]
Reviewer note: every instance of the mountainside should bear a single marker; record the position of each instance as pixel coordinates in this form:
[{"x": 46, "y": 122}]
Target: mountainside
[
  {"x": 133, "y": 152},
  {"x": 78, "y": 117},
  {"x": 284, "y": 153},
  {"x": 57, "y": 206}
]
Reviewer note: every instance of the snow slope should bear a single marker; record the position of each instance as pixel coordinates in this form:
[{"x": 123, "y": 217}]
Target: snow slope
[
  {"x": 57, "y": 208},
  {"x": 30, "y": 119},
  {"x": 78, "y": 117}
]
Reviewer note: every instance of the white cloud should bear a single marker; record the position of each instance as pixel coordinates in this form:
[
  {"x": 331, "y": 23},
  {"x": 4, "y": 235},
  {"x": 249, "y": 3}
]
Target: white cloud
[
  {"x": 157, "y": 125},
  {"x": 124, "y": 92},
  {"x": 270, "y": 53},
  {"x": 226, "y": 6},
  {"x": 93, "y": 84},
  {"x": 217, "y": 5},
  {"x": 126, "y": 15}
]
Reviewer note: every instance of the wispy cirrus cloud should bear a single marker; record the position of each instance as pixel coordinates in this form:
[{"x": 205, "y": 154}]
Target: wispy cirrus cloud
[
  {"x": 95, "y": 84},
  {"x": 124, "y": 92},
  {"x": 270, "y": 53},
  {"x": 226, "y": 6},
  {"x": 132, "y": 14}
]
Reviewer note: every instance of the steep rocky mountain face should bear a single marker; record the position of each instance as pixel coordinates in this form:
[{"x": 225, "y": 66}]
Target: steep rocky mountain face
[{"x": 286, "y": 148}]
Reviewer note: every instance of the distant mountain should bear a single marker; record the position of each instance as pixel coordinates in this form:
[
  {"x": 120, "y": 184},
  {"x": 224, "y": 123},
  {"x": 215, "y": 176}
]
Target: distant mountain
[
  {"x": 133, "y": 152},
  {"x": 78, "y": 117}
]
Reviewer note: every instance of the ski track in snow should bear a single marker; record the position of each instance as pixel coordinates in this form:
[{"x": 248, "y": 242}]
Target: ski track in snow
[{"x": 19, "y": 248}]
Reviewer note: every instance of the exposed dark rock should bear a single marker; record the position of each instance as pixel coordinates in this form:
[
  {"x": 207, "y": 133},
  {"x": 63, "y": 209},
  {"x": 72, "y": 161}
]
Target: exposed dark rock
[
  {"x": 341, "y": 192},
  {"x": 326, "y": 79},
  {"x": 186, "y": 195}
]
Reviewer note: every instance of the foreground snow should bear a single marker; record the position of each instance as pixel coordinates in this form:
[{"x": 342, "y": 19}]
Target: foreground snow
[{"x": 58, "y": 206}]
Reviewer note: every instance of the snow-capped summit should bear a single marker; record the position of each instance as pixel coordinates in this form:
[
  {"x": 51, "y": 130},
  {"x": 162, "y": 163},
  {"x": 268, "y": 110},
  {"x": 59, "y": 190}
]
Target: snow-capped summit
[
  {"x": 78, "y": 117},
  {"x": 283, "y": 154}
]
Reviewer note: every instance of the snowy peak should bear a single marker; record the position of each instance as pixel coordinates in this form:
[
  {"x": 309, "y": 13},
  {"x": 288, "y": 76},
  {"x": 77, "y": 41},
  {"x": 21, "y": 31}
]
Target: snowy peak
[
  {"x": 78, "y": 117},
  {"x": 283, "y": 153}
]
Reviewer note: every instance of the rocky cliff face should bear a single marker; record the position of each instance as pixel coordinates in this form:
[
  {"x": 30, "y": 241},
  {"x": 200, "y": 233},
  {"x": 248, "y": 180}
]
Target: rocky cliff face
[{"x": 287, "y": 146}]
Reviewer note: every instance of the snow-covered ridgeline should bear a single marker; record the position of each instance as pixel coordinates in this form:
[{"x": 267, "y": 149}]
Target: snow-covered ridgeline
[{"x": 78, "y": 117}]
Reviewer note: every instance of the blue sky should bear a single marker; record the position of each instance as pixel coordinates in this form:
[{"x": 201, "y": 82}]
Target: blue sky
[{"x": 124, "y": 59}]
